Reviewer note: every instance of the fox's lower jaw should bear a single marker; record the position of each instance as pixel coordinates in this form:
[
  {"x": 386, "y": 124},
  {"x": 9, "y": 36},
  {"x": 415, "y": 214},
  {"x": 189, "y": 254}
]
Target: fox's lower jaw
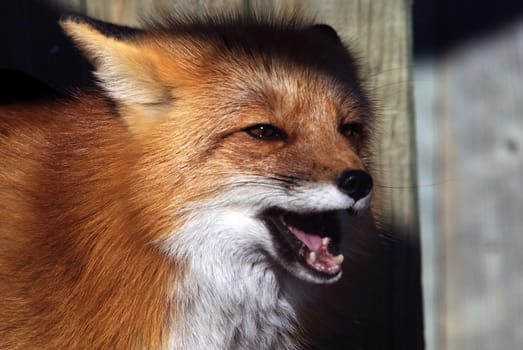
[
  {"x": 306, "y": 231},
  {"x": 243, "y": 252},
  {"x": 299, "y": 231}
]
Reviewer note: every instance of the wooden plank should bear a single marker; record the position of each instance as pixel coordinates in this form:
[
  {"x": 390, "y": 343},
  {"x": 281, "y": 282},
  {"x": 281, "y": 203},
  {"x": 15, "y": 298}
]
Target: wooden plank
[
  {"x": 130, "y": 12},
  {"x": 429, "y": 170},
  {"x": 482, "y": 207}
]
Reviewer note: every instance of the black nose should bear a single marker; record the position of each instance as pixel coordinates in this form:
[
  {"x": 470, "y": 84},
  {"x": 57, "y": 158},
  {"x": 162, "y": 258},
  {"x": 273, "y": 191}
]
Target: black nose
[{"x": 355, "y": 183}]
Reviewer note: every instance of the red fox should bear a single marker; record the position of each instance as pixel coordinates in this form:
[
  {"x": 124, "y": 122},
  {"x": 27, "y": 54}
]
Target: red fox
[{"x": 181, "y": 203}]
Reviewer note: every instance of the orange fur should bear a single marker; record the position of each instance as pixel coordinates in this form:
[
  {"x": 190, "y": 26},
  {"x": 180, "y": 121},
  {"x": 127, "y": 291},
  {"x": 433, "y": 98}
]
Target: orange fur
[
  {"x": 88, "y": 186},
  {"x": 70, "y": 244}
]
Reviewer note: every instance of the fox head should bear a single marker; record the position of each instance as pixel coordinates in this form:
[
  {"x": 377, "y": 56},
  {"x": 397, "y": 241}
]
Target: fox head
[{"x": 255, "y": 136}]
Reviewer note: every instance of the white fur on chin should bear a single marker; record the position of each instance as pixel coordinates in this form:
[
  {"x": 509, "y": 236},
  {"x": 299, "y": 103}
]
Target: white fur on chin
[{"x": 232, "y": 295}]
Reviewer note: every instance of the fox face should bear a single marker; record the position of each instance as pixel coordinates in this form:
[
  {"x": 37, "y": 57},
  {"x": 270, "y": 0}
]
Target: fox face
[
  {"x": 273, "y": 132},
  {"x": 283, "y": 166},
  {"x": 242, "y": 143}
]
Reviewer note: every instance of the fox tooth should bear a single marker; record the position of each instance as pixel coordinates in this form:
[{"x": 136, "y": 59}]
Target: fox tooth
[
  {"x": 325, "y": 240},
  {"x": 312, "y": 257},
  {"x": 338, "y": 259}
]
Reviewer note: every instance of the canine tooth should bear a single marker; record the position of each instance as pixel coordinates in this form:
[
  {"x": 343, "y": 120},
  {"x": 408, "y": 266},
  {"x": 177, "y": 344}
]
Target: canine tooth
[
  {"x": 325, "y": 240},
  {"x": 339, "y": 259},
  {"x": 312, "y": 257}
]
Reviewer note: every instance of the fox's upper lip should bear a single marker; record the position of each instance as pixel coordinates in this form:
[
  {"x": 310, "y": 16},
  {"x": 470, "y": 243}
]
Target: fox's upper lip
[{"x": 311, "y": 239}]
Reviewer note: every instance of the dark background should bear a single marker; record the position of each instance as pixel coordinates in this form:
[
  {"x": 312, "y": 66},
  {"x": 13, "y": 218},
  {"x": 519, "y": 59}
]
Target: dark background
[{"x": 441, "y": 25}]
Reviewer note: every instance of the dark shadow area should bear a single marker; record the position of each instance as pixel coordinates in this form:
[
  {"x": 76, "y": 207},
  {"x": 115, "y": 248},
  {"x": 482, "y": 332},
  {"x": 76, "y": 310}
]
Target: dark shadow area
[
  {"x": 33, "y": 42},
  {"x": 378, "y": 303},
  {"x": 440, "y": 25},
  {"x": 19, "y": 86}
]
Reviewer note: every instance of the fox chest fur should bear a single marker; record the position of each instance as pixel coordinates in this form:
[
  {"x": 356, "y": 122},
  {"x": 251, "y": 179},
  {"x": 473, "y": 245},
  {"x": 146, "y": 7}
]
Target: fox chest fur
[{"x": 189, "y": 199}]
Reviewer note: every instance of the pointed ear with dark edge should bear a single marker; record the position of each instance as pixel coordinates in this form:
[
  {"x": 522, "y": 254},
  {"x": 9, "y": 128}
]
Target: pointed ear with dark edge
[
  {"x": 326, "y": 31},
  {"x": 122, "y": 64}
]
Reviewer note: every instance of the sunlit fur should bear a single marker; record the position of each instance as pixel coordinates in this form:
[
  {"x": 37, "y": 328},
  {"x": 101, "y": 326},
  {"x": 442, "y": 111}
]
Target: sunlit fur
[{"x": 130, "y": 214}]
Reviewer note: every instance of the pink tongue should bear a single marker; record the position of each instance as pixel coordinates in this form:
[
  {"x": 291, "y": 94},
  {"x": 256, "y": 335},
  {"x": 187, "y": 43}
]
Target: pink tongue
[
  {"x": 311, "y": 241},
  {"x": 323, "y": 260}
]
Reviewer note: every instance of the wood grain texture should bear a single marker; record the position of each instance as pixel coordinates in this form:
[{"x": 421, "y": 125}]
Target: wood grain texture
[
  {"x": 131, "y": 12},
  {"x": 482, "y": 150}
]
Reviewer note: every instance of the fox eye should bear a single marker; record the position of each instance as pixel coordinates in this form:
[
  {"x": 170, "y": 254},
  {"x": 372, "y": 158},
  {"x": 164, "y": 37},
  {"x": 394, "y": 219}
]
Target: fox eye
[
  {"x": 350, "y": 130},
  {"x": 266, "y": 132}
]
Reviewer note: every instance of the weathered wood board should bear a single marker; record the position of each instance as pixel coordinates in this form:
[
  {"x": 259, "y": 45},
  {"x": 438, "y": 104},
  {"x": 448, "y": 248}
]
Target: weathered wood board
[
  {"x": 471, "y": 107},
  {"x": 482, "y": 205}
]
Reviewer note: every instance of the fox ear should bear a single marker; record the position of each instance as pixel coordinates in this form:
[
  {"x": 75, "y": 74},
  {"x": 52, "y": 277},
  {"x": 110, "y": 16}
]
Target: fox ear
[
  {"x": 122, "y": 64},
  {"x": 326, "y": 31}
]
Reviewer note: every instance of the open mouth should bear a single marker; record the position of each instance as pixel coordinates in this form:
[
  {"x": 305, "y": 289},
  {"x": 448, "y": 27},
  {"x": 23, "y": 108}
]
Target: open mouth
[{"x": 311, "y": 240}]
